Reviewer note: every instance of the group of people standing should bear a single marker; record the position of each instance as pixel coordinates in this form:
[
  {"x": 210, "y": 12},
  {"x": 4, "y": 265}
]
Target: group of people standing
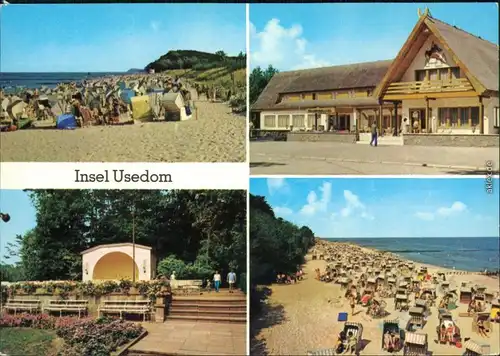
[{"x": 217, "y": 281}]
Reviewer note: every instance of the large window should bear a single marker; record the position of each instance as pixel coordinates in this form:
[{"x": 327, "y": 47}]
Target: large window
[
  {"x": 269, "y": 121},
  {"x": 310, "y": 120},
  {"x": 298, "y": 120},
  {"x": 437, "y": 74},
  {"x": 283, "y": 121},
  {"x": 458, "y": 117}
]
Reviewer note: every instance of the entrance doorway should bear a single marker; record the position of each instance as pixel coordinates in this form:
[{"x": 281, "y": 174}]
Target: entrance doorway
[
  {"x": 341, "y": 122},
  {"x": 417, "y": 120}
]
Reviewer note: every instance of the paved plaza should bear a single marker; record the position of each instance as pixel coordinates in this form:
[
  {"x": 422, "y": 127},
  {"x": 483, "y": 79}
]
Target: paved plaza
[
  {"x": 193, "y": 338},
  {"x": 328, "y": 158}
]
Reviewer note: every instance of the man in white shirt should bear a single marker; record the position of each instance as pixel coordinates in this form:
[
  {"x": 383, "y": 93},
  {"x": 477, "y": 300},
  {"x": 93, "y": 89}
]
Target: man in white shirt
[
  {"x": 217, "y": 280},
  {"x": 231, "y": 279}
]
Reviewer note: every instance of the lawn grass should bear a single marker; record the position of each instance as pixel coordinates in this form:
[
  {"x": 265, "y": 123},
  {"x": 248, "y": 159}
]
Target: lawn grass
[{"x": 27, "y": 342}]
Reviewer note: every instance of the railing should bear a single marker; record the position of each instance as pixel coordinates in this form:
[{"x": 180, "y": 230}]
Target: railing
[{"x": 429, "y": 86}]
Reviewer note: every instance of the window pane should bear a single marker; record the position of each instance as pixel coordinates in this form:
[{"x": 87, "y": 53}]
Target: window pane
[
  {"x": 270, "y": 121},
  {"x": 442, "y": 113},
  {"x": 453, "y": 117},
  {"x": 420, "y": 75},
  {"x": 283, "y": 121},
  {"x": 310, "y": 120},
  {"x": 474, "y": 115},
  {"x": 464, "y": 117},
  {"x": 433, "y": 74},
  {"x": 455, "y": 73},
  {"x": 298, "y": 120}
]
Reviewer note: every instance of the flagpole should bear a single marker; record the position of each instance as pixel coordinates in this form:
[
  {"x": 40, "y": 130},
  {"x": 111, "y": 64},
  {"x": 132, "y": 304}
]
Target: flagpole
[{"x": 133, "y": 245}]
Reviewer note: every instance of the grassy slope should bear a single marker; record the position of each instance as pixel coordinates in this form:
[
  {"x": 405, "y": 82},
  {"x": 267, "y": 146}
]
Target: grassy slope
[
  {"x": 26, "y": 341},
  {"x": 218, "y": 76}
]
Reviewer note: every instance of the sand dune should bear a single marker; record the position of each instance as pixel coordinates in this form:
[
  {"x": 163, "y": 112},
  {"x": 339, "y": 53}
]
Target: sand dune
[{"x": 216, "y": 135}]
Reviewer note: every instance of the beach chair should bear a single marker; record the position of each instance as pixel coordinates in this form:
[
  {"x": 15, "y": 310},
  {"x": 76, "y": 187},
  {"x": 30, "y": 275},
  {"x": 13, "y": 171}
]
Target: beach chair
[
  {"x": 416, "y": 318},
  {"x": 357, "y": 330},
  {"x": 474, "y": 348},
  {"x": 415, "y": 344},
  {"x": 392, "y": 326}
]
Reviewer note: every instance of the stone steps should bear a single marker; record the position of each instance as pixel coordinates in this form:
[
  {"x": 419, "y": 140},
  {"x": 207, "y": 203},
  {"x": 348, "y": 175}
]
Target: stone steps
[{"x": 213, "y": 308}]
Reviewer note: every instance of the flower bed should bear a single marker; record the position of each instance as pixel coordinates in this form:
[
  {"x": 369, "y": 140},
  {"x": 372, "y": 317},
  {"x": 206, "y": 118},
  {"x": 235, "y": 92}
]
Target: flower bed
[
  {"x": 96, "y": 337},
  {"x": 63, "y": 289}
]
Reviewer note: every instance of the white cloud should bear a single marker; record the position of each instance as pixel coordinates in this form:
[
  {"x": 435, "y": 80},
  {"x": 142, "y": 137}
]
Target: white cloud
[
  {"x": 314, "y": 204},
  {"x": 276, "y": 184},
  {"x": 155, "y": 25},
  {"x": 354, "y": 205},
  {"x": 282, "y": 211},
  {"x": 455, "y": 208},
  {"x": 284, "y": 48}
]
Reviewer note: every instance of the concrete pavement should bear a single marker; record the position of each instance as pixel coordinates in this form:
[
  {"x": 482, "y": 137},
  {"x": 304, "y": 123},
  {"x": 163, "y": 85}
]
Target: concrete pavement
[{"x": 328, "y": 158}]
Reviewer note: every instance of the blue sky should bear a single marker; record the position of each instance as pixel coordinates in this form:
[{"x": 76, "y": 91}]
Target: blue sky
[
  {"x": 22, "y": 218},
  {"x": 113, "y": 37},
  {"x": 385, "y": 207},
  {"x": 314, "y": 35}
]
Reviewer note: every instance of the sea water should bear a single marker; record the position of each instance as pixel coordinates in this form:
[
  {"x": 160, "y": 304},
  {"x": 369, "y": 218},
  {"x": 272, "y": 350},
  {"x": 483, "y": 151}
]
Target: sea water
[
  {"x": 50, "y": 80},
  {"x": 469, "y": 254}
]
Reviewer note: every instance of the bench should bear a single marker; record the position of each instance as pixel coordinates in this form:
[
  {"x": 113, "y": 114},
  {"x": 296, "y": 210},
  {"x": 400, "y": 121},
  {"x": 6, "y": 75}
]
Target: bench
[
  {"x": 79, "y": 306},
  {"x": 30, "y": 305},
  {"x": 141, "y": 307}
]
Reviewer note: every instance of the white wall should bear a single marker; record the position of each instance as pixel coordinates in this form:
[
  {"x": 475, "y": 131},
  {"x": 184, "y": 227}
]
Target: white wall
[{"x": 142, "y": 259}]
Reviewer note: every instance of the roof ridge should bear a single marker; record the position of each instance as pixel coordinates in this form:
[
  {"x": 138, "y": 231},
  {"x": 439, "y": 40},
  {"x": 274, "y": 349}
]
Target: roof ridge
[
  {"x": 461, "y": 29},
  {"x": 335, "y": 66}
]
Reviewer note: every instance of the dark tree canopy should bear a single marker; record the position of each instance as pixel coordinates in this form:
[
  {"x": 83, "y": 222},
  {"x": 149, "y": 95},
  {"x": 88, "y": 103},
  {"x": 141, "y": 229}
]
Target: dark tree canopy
[
  {"x": 197, "y": 60},
  {"x": 183, "y": 223},
  {"x": 258, "y": 81},
  {"x": 276, "y": 245}
]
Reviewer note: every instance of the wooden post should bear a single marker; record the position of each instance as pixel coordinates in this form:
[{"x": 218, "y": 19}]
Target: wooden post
[
  {"x": 427, "y": 129},
  {"x": 481, "y": 116},
  {"x": 380, "y": 118},
  {"x": 395, "y": 118}
]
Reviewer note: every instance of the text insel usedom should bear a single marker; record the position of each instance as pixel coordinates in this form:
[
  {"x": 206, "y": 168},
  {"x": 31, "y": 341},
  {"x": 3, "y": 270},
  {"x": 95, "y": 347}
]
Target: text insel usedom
[{"x": 120, "y": 176}]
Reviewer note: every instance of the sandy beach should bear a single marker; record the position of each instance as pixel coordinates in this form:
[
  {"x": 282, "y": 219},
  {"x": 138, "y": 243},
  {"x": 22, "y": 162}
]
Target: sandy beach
[
  {"x": 216, "y": 135},
  {"x": 302, "y": 317}
]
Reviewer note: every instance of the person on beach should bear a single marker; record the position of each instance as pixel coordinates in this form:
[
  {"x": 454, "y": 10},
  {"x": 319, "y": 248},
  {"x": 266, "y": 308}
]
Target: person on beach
[
  {"x": 388, "y": 341},
  {"x": 217, "y": 280},
  {"x": 340, "y": 347},
  {"x": 231, "y": 279},
  {"x": 352, "y": 302},
  {"x": 352, "y": 342}
]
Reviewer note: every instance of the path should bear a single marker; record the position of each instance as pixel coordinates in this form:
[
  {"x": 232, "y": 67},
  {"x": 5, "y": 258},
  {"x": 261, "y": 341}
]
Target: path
[
  {"x": 193, "y": 338},
  {"x": 321, "y": 158}
]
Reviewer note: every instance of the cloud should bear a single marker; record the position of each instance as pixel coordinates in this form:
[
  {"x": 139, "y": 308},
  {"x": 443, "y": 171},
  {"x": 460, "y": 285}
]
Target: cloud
[
  {"x": 155, "y": 25},
  {"x": 314, "y": 204},
  {"x": 282, "y": 211},
  {"x": 284, "y": 48},
  {"x": 354, "y": 205},
  {"x": 455, "y": 208},
  {"x": 276, "y": 184}
]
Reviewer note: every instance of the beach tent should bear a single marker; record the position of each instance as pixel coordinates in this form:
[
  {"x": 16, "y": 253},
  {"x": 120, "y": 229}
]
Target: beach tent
[
  {"x": 174, "y": 103},
  {"x": 465, "y": 295},
  {"x": 66, "y": 122},
  {"x": 141, "y": 109}
]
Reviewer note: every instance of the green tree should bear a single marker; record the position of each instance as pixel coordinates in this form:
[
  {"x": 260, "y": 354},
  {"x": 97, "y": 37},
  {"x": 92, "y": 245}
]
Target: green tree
[{"x": 258, "y": 81}]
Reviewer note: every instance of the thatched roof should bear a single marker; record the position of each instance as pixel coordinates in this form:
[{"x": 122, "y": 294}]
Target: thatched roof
[
  {"x": 478, "y": 55},
  {"x": 358, "y": 75}
]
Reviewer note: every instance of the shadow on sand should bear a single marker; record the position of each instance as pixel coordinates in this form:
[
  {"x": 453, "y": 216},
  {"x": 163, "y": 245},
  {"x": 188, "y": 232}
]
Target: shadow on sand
[
  {"x": 265, "y": 164},
  {"x": 477, "y": 172},
  {"x": 268, "y": 316}
]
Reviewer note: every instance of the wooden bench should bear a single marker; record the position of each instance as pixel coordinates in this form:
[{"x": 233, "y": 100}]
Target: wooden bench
[
  {"x": 79, "y": 306},
  {"x": 141, "y": 307},
  {"x": 30, "y": 305}
]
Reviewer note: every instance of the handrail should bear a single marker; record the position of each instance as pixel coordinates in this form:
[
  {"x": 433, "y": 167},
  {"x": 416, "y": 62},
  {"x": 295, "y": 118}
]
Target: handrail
[{"x": 431, "y": 86}]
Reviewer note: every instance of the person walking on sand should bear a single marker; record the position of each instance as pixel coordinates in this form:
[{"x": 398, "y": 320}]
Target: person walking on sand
[
  {"x": 352, "y": 302},
  {"x": 217, "y": 280},
  {"x": 373, "y": 142},
  {"x": 231, "y": 279}
]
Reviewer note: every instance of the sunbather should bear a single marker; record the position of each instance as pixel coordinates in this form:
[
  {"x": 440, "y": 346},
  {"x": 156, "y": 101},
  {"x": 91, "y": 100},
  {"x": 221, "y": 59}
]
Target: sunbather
[{"x": 352, "y": 342}]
